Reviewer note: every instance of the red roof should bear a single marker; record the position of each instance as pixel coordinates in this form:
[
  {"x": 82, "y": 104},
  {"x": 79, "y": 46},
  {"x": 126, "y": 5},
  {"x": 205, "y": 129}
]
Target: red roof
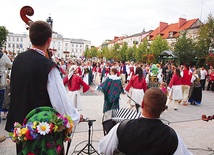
[{"x": 164, "y": 29}]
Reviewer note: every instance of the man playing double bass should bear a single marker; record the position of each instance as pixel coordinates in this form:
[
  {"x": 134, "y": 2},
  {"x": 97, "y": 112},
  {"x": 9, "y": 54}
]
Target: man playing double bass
[{"x": 36, "y": 81}]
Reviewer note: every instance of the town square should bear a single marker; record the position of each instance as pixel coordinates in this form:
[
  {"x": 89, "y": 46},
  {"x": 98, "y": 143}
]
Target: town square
[{"x": 107, "y": 77}]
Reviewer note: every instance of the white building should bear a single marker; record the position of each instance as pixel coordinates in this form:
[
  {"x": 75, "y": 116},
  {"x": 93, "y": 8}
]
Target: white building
[
  {"x": 61, "y": 47},
  {"x": 17, "y": 43}
]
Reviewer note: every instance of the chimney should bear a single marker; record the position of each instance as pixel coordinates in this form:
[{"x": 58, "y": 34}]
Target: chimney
[
  {"x": 181, "y": 22},
  {"x": 162, "y": 26},
  {"x": 115, "y": 37}
]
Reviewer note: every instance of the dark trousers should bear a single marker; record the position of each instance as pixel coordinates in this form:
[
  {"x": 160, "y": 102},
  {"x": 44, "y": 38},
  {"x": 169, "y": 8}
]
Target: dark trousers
[
  {"x": 210, "y": 85},
  {"x": 202, "y": 83}
]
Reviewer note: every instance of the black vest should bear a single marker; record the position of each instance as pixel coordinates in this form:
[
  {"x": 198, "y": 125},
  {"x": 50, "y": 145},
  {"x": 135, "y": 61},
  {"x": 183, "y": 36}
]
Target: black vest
[
  {"x": 29, "y": 77},
  {"x": 147, "y": 136}
]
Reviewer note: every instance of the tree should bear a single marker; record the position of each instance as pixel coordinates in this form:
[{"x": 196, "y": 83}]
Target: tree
[
  {"x": 141, "y": 50},
  {"x": 205, "y": 43},
  {"x": 206, "y": 36},
  {"x": 158, "y": 46},
  {"x": 129, "y": 54},
  {"x": 87, "y": 53},
  {"x": 115, "y": 51},
  {"x": 106, "y": 53},
  {"x": 3, "y": 35},
  {"x": 122, "y": 52},
  {"x": 93, "y": 51},
  {"x": 184, "y": 49}
]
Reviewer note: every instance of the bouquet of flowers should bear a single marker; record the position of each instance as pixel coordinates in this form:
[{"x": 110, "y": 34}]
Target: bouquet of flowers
[{"x": 35, "y": 129}]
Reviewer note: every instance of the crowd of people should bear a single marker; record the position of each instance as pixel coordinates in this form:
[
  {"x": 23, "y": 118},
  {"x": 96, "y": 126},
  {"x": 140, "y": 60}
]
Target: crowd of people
[
  {"x": 57, "y": 82},
  {"x": 182, "y": 84}
]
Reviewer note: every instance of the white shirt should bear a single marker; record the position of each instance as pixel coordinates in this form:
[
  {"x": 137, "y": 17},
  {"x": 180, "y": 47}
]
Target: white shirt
[
  {"x": 108, "y": 144},
  {"x": 203, "y": 74},
  {"x": 58, "y": 96}
]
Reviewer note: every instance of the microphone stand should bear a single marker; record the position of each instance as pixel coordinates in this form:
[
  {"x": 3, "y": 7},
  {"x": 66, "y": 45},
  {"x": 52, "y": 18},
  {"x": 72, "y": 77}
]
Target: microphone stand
[
  {"x": 91, "y": 149},
  {"x": 136, "y": 104}
]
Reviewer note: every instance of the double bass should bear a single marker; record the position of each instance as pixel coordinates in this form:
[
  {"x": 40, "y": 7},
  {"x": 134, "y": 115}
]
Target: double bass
[
  {"x": 207, "y": 118},
  {"x": 28, "y": 11}
]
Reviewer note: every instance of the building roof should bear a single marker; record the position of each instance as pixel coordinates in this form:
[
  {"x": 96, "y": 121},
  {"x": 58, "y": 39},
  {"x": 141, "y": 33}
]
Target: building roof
[
  {"x": 168, "y": 53},
  {"x": 172, "y": 30}
]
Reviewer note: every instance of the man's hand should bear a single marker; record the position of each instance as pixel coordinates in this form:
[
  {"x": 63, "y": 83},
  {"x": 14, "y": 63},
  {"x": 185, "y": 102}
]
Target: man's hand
[{"x": 81, "y": 118}]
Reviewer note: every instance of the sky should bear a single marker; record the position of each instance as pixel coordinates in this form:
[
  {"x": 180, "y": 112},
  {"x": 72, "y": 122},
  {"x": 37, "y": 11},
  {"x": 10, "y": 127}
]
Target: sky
[{"x": 98, "y": 20}]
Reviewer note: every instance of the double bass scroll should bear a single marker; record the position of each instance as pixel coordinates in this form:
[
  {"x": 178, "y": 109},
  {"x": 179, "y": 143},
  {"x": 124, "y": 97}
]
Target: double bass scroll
[
  {"x": 26, "y": 11},
  {"x": 207, "y": 118}
]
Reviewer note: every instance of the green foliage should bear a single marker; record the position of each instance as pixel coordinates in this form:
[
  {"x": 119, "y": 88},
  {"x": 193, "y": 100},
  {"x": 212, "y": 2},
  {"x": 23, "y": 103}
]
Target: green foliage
[
  {"x": 122, "y": 52},
  {"x": 158, "y": 46},
  {"x": 142, "y": 50},
  {"x": 129, "y": 54},
  {"x": 185, "y": 49},
  {"x": 87, "y": 53},
  {"x": 115, "y": 51},
  {"x": 93, "y": 51},
  {"x": 205, "y": 43},
  {"x": 3, "y": 35},
  {"x": 210, "y": 59}
]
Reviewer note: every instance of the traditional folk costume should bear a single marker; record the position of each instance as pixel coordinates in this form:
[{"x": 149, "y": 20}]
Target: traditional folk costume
[
  {"x": 131, "y": 139},
  {"x": 86, "y": 75},
  {"x": 105, "y": 72},
  {"x": 152, "y": 78},
  {"x": 74, "y": 83},
  {"x": 175, "y": 93},
  {"x": 111, "y": 88},
  {"x": 79, "y": 71},
  {"x": 97, "y": 75},
  {"x": 36, "y": 84},
  {"x": 186, "y": 83},
  {"x": 210, "y": 85},
  {"x": 131, "y": 72},
  {"x": 196, "y": 90},
  {"x": 123, "y": 73},
  {"x": 138, "y": 89}
]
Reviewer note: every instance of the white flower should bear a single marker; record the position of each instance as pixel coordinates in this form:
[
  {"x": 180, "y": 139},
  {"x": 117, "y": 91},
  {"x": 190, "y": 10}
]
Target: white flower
[{"x": 43, "y": 128}]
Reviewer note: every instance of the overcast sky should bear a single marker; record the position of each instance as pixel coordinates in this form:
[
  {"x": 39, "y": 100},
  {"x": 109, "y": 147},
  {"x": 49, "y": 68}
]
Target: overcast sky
[{"x": 98, "y": 20}]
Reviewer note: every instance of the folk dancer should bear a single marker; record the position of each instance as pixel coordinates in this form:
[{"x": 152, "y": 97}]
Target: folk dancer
[
  {"x": 74, "y": 83},
  {"x": 138, "y": 86}
]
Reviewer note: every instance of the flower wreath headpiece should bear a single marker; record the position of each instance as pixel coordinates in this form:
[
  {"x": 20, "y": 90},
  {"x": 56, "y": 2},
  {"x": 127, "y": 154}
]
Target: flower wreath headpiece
[{"x": 39, "y": 122}]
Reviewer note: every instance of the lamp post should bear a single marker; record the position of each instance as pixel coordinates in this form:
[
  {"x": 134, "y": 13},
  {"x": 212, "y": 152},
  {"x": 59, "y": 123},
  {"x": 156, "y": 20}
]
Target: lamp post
[{"x": 50, "y": 21}]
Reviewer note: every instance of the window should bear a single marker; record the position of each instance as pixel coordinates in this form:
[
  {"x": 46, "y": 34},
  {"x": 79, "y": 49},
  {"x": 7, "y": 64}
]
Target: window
[
  {"x": 8, "y": 45},
  {"x": 17, "y": 39},
  {"x": 13, "y": 39},
  {"x": 21, "y": 39},
  {"x": 76, "y": 45},
  {"x": 8, "y": 38}
]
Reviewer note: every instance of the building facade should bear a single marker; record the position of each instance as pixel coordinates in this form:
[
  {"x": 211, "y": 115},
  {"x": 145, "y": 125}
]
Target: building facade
[{"x": 60, "y": 47}]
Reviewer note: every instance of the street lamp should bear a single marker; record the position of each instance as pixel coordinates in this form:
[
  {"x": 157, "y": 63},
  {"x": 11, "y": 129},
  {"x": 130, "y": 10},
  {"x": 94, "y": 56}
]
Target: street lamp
[{"x": 50, "y": 21}]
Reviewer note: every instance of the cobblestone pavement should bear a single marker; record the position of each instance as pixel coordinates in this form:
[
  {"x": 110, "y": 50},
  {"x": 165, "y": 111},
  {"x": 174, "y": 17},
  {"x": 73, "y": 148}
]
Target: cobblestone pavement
[{"x": 196, "y": 134}]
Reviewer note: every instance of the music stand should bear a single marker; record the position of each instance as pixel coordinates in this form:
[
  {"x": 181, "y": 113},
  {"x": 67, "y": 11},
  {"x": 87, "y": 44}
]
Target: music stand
[{"x": 91, "y": 149}]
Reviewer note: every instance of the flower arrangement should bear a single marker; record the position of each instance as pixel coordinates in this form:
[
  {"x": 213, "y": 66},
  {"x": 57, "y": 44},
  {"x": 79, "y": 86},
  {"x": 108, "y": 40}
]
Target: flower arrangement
[
  {"x": 154, "y": 70},
  {"x": 33, "y": 130}
]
